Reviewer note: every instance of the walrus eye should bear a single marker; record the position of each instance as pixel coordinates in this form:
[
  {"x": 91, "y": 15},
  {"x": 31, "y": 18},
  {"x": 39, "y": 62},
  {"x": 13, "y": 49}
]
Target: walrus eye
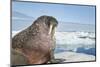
[{"x": 50, "y": 29}]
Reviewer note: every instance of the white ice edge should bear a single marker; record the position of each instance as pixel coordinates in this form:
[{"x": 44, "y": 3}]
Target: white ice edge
[{"x": 74, "y": 57}]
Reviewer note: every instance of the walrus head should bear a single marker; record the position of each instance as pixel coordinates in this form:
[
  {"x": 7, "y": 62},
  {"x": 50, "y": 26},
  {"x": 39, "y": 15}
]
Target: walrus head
[{"x": 49, "y": 23}]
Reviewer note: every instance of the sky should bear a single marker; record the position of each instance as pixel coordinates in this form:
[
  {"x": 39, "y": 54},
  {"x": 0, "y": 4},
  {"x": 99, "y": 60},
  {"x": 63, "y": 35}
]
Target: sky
[
  {"x": 64, "y": 13},
  {"x": 70, "y": 17}
]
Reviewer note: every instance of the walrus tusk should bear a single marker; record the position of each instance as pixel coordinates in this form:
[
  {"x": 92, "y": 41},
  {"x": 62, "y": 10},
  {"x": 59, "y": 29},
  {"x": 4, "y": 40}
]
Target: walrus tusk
[{"x": 50, "y": 30}]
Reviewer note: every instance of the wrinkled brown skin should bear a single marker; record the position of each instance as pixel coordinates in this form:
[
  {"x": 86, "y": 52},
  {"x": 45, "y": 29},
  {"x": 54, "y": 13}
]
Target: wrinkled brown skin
[{"x": 34, "y": 45}]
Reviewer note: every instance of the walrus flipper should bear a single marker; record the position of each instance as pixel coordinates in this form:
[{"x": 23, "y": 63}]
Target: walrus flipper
[{"x": 18, "y": 58}]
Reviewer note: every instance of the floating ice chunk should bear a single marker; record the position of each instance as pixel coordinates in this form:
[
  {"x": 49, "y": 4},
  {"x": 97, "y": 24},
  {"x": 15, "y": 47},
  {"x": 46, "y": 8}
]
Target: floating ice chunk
[{"x": 72, "y": 38}]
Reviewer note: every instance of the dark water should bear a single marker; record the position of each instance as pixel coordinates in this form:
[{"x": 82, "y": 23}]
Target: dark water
[{"x": 90, "y": 51}]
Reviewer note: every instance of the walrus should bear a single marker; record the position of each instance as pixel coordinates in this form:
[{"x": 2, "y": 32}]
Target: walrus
[{"x": 35, "y": 44}]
